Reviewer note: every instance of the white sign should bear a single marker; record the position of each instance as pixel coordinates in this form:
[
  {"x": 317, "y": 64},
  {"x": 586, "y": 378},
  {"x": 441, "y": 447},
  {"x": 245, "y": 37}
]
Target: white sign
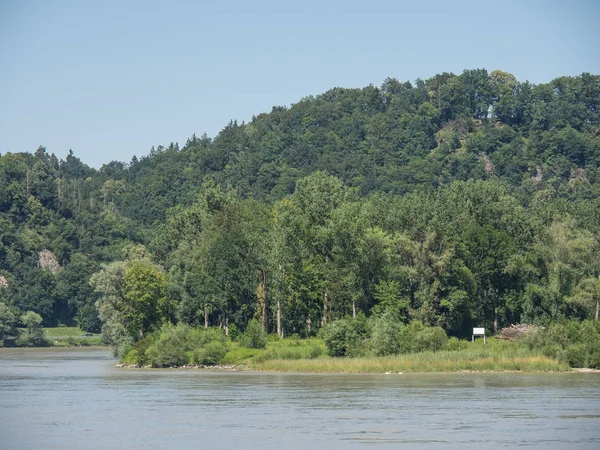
[{"x": 479, "y": 331}]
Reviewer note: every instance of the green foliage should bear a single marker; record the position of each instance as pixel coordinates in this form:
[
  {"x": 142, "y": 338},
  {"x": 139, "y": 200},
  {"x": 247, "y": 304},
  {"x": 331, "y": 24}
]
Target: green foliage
[
  {"x": 385, "y": 334},
  {"x": 7, "y": 320},
  {"x": 169, "y": 349},
  {"x": 454, "y": 344},
  {"x": 254, "y": 336},
  {"x": 345, "y": 337},
  {"x": 177, "y": 345},
  {"x": 211, "y": 354},
  {"x": 577, "y": 343},
  {"x": 293, "y": 348},
  {"x": 462, "y": 200},
  {"x": 33, "y": 335}
]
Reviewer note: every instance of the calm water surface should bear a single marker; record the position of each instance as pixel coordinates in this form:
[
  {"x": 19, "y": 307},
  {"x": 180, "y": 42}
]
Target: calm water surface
[{"x": 76, "y": 399}]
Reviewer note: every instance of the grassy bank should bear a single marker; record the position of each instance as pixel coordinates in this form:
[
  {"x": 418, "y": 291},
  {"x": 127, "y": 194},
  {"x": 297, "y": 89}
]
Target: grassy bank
[
  {"x": 443, "y": 361},
  {"x": 71, "y": 336},
  {"x": 414, "y": 348}
]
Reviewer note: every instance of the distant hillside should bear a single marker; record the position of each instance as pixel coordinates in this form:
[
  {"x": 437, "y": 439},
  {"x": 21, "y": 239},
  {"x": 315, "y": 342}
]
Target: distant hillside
[{"x": 539, "y": 145}]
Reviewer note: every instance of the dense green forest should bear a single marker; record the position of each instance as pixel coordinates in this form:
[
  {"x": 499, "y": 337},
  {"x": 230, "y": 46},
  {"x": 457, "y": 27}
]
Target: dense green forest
[{"x": 457, "y": 201}]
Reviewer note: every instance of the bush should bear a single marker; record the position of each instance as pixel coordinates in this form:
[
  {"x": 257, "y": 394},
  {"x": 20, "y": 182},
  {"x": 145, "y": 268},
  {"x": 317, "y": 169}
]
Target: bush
[
  {"x": 344, "y": 337},
  {"x": 430, "y": 339},
  {"x": 577, "y": 343},
  {"x": 210, "y": 355},
  {"x": 255, "y": 336},
  {"x": 454, "y": 344},
  {"x": 385, "y": 335},
  {"x": 33, "y": 335},
  {"x": 199, "y": 337},
  {"x": 576, "y": 355},
  {"x": 132, "y": 357},
  {"x": 552, "y": 351},
  {"x": 170, "y": 347},
  {"x": 416, "y": 337}
]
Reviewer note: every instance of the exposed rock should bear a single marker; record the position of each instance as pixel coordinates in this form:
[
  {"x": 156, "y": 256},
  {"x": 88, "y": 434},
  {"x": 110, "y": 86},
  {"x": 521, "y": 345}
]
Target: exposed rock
[
  {"x": 189, "y": 366},
  {"x": 538, "y": 177},
  {"x": 578, "y": 175},
  {"x": 3, "y": 282},
  {"x": 488, "y": 165},
  {"x": 47, "y": 260}
]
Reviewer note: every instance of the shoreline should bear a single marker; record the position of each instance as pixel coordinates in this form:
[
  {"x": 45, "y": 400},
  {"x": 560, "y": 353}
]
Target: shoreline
[
  {"x": 389, "y": 366},
  {"x": 246, "y": 368}
]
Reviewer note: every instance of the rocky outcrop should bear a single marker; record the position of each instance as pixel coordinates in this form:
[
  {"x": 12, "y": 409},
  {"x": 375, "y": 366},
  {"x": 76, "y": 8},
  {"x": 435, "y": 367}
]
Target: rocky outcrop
[
  {"x": 488, "y": 165},
  {"x": 3, "y": 282},
  {"x": 47, "y": 261}
]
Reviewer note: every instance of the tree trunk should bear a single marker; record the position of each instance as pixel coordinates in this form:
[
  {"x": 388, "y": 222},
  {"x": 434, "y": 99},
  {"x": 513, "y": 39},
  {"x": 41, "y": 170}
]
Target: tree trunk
[
  {"x": 495, "y": 320},
  {"x": 205, "y": 317},
  {"x": 226, "y": 326},
  {"x": 28, "y": 192},
  {"x": 597, "y": 310},
  {"x": 353, "y": 309},
  {"x": 324, "y": 319},
  {"x": 262, "y": 294},
  {"x": 279, "y": 330}
]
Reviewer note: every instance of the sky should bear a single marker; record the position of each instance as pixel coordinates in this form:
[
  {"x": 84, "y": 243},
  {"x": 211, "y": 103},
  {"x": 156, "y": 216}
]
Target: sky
[{"x": 111, "y": 79}]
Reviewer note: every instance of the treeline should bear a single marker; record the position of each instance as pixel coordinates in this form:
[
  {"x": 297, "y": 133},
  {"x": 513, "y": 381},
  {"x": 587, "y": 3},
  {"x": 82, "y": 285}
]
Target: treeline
[
  {"x": 466, "y": 255},
  {"x": 460, "y": 200}
]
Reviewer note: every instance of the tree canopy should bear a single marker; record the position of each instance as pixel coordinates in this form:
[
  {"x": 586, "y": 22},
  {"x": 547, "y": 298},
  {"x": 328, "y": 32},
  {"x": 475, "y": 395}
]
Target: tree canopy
[{"x": 457, "y": 201}]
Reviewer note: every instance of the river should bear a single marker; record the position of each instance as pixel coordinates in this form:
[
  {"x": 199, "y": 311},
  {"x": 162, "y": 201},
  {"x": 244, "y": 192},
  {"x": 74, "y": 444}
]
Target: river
[{"x": 76, "y": 398}]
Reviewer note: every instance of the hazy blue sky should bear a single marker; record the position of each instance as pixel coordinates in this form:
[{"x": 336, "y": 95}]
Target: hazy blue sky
[{"x": 109, "y": 79}]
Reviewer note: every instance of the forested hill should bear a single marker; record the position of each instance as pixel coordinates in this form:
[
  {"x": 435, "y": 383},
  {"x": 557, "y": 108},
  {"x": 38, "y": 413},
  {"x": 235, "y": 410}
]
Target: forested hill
[{"x": 457, "y": 200}]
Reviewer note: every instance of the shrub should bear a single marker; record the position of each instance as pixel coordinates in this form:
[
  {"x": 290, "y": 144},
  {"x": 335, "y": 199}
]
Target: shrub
[
  {"x": 552, "y": 351},
  {"x": 576, "y": 355},
  {"x": 416, "y": 337},
  {"x": 234, "y": 332},
  {"x": 430, "y": 339},
  {"x": 344, "y": 337},
  {"x": 199, "y": 337},
  {"x": 132, "y": 357},
  {"x": 211, "y": 354},
  {"x": 455, "y": 344},
  {"x": 385, "y": 335},
  {"x": 33, "y": 335},
  {"x": 170, "y": 347},
  {"x": 255, "y": 336}
]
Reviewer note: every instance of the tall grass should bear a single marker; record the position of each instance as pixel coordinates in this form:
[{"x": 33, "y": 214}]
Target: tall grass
[{"x": 473, "y": 359}]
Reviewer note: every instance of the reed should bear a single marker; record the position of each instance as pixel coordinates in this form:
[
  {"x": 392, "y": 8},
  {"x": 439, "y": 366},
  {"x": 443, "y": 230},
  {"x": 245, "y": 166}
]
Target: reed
[{"x": 477, "y": 359}]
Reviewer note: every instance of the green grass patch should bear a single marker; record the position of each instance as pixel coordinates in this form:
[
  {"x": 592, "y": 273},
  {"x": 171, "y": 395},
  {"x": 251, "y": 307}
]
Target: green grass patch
[
  {"x": 241, "y": 355},
  {"x": 71, "y": 336}
]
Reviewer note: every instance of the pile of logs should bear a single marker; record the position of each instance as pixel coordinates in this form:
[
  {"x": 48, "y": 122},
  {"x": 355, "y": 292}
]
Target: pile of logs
[{"x": 517, "y": 331}]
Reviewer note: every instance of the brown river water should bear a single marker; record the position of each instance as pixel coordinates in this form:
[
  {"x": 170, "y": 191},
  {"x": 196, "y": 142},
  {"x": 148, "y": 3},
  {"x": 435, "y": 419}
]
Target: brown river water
[{"x": 77, "y": 399}]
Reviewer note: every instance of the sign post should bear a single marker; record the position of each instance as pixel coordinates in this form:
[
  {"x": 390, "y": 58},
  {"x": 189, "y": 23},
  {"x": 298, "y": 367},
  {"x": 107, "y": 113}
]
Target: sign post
[{"x": 478, "y": 332}]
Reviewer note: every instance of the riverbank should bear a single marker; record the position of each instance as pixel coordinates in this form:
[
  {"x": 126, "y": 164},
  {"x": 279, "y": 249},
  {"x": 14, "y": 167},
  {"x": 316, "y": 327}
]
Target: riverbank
[
  {"x": 476, "y": 359},
  {"x": 414, "y": 363},
  {"x": 311, "y": 356}
]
